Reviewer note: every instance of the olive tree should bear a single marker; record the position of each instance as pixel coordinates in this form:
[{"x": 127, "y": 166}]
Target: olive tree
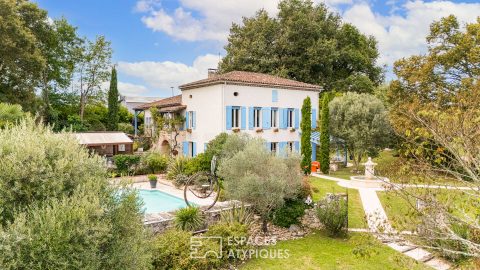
[
  {"x": 362, "y": 121},
  {"x": 253, "y": 175}
]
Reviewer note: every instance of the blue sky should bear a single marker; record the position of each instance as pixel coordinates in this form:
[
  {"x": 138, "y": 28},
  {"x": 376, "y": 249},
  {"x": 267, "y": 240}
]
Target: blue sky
[{"x": 162, "y": 43}]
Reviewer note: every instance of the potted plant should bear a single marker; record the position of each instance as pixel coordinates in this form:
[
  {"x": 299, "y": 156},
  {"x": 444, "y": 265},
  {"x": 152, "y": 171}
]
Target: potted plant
[
  {"x": 258, "y": 130},
  {"x": 152, "y": 178},
  {"x": 275, "y": 130}
]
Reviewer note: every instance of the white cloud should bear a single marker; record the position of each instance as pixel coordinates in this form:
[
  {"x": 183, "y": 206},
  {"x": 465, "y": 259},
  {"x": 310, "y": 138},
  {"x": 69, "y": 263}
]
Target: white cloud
[
  {"x": 401, "y": 36},
  {"x": 130, "y": 89},
  {"x": 163, "y": 75}
]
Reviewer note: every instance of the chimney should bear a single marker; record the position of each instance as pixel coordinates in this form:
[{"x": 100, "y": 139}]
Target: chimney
[{"x": 212, "y": 72}]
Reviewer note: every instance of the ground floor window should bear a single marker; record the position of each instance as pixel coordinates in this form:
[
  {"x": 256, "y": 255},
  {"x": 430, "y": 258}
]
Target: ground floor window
[
  {"x": 273, "y": 147},
  {"x": 191, "y": 150},
  {"x": 290, "y": 146}
]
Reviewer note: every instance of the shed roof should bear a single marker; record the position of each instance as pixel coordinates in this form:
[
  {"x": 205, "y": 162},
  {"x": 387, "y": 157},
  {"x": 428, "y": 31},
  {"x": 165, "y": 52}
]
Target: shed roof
[
  {"x": 101, "y": 138},
  {"x": 162, "y": 103},
  {"x": 253, "y": 79}
]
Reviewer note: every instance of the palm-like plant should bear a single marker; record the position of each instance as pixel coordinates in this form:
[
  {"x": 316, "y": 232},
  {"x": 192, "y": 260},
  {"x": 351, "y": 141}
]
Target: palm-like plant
[
  {"x": 188, "y": 219},
  {"x": 241, "y": 215},
  {"x": 176, "y": 167}
]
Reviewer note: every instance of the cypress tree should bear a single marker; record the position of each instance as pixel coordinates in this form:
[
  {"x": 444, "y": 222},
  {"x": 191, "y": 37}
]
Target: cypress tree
[
  {"x": 306, "y": 126},
  {"x": 325, "y": 136},
  {"x": 113, "y": 103}
]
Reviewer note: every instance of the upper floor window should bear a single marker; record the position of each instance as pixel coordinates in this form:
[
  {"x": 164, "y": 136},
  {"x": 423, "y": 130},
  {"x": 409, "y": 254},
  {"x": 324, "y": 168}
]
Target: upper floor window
[
  {"x": 290, "y": 118},
  {"x": 274, "y": 118},
  {"x": 236, "y": 117},
  {"x": 148, "y": 121},
  {"x": 257, "y": 117},
  {"x": 190, "y": 119}
]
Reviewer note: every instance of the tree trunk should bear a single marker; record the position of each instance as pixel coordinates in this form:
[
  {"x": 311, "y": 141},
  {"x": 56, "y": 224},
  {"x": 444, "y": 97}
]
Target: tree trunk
[
  {"x": 264, "y": 225},
  {"x": 82, "y": 107}
]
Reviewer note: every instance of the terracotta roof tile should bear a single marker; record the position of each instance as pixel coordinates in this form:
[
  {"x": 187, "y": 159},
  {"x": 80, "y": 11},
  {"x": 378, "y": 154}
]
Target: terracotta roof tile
[
  {"x": 166, "y": 102},
  {"x": 251, "y": 78}
]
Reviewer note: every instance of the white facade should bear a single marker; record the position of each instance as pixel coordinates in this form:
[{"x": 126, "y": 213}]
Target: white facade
[{"x": 213, "y": 109}]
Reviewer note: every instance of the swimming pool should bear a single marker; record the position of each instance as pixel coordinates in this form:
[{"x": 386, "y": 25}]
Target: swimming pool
[{"x": 156, "y": 201}]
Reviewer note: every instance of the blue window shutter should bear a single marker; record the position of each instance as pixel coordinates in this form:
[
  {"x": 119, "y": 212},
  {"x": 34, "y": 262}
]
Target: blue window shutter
[
  {"x": 282, "y": 148},
  {"x": 185, "y": 148},
  {"x": 274, "y": 95},
  {"x": 314, "y": 118},
  {"x": 297, "y": 146},
  {"x": 244, "y": 118},
  {"x": 268, "y": 146},
  {"x": 194, "y": 149},
  {"x": 194, "y": 119},
  {"x": 281, "y": 116},
  {"x": 297, "y": 119},
  {"x": 266, "y": 118},
  {"x": 250, "y": 118},
  {"x": 187, "y": 123},
  {"x": 229, "y": 117},
  {"x": 314, "y": 152}
]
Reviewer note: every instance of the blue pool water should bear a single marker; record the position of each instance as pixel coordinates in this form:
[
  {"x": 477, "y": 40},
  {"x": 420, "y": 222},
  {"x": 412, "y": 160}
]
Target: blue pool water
[{"x": 156, "y": 201}]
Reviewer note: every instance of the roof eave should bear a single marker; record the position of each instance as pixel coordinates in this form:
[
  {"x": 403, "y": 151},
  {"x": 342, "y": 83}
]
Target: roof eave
[{"x": 203, "y": 84}]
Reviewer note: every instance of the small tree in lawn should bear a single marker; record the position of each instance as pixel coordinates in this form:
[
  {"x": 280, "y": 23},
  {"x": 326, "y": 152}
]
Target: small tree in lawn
[
  {"x": 113, "y": 104},
  {"x": 306, "y": 126},
  {"x": 255, "y": 176},
  {"x": 325, "y": 136}
]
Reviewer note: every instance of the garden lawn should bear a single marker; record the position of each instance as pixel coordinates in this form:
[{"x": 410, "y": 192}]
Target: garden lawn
[
  {"x": 318, "y": 251},
  {"x": 356, "y": 214}
]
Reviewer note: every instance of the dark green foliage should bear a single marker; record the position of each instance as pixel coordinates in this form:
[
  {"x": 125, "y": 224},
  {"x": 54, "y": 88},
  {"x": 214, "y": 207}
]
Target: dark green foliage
[
  {"x": 199, "y": 163},
  {"x": 306, "y": 127},
  {"x": 10, "y": 114},
  {"x": 332, "y": 213},
  {"x": 325, "y": 136},
  {"x": 113, "y": 103},
  {"x": 126, "y": 164},
  {"x": 234, "y": 239},
  {"x": 171, "y": 250},
  {"x": 155, "y": 162},
  {"x": 189, "y": 219},
  {"x": 290, "y": 213},
  {"x": 305, "y": 42},
  {"x": 126, "y": 127}
]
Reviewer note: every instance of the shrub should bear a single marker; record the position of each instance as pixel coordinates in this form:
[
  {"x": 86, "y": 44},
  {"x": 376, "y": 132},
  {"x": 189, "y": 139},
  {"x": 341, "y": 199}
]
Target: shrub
[
  {"x": 126, "y": 164},
  {"x": 152, "y": 177},
  {"x": 171, "y": 250},
  {"x": 10, "y": 114},
  {"x": 176, "y": 166},
  {"x": 332, "y": 213},
  {"x": 241, "y": 215},
  {"x": 180, "y": 180},
  {"x": 155, "y": 162},
  {"x": 289, "y": 214},
  {"x": 63, "y": 213},
  {"x": 126, "y": 127},
  {"x": 189, "y": 219},
  {"x": 199, "y": 163},
  {"x": 234, "y": 239}
]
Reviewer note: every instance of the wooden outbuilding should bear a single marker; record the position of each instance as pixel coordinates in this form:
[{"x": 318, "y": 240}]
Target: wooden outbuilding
[{"x": 106, "y": 143}]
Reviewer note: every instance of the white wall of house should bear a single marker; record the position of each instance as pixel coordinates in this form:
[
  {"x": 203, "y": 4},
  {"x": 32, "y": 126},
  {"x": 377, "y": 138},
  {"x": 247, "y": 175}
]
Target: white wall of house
[{"x": 210, "y": 107}]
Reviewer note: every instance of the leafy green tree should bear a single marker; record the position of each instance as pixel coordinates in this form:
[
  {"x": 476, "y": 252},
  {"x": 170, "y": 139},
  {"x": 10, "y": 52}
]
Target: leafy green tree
[
  {"x": 63, "y": 212},
  {"x": 325, "y": 135},
  {"x": 253, "y": 175},
  {"x": 305, "y": 42},
  {"x": 306, "y": 127},
  {"x": 362, "y": 121},
  {"x": 113, "y": 103}
]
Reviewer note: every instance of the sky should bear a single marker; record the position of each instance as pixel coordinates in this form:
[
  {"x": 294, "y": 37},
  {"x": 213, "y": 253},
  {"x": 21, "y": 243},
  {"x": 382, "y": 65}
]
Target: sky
[{"x": 159, "y": 44}]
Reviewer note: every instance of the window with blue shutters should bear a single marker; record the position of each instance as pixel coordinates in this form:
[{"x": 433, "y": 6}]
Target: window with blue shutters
[
  {"x": 194, "y": 120},
  {"x": 274, "y": 118},
  {"x": 190, "y": 119},
  {"x": 266, "y": 118},
  {"x": 257, "y": 117},
  {"x": 274, "y": 147},
  {"x": 283, "y": 118},
  {"x": 290, "y": 118},
  {"x": 274, "y": 95}
]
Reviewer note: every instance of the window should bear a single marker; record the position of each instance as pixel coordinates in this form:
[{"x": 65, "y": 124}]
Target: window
[
  {"x": 190, "y": 149},
  {"x": 235, "y": 94},
  {"x": 290, "y": 118},
  {"x": 273, "y": 147},
  {"x": 290, "y": 146},
  {"x": 274, "y": 119},
  {"x": 190, "y": 120},
  {"x": 121, "y": 147},
  {"x": 148, "y": 121},
  {"x": 235, "y": 117},
  {"x": 257, "y": 117}
]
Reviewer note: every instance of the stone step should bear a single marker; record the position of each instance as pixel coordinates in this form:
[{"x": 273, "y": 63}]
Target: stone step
[{"x": 417, "y": 253}]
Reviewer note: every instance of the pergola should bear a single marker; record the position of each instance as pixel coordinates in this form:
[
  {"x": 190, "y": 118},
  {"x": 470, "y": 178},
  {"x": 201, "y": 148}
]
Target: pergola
[{"x": 315, "y": 138}]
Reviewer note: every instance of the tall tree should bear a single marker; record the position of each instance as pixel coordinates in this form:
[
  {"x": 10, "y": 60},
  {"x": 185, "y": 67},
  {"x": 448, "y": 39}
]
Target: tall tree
[
  {"x": 113, "y": 103},
  {"x": 306, "y": 127},
  {"x": 92, "y": 70},
  {"x": 325, "y": 135},
  {"x": 362, "y": 121},
  {"x": 305, "y": 42}
]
